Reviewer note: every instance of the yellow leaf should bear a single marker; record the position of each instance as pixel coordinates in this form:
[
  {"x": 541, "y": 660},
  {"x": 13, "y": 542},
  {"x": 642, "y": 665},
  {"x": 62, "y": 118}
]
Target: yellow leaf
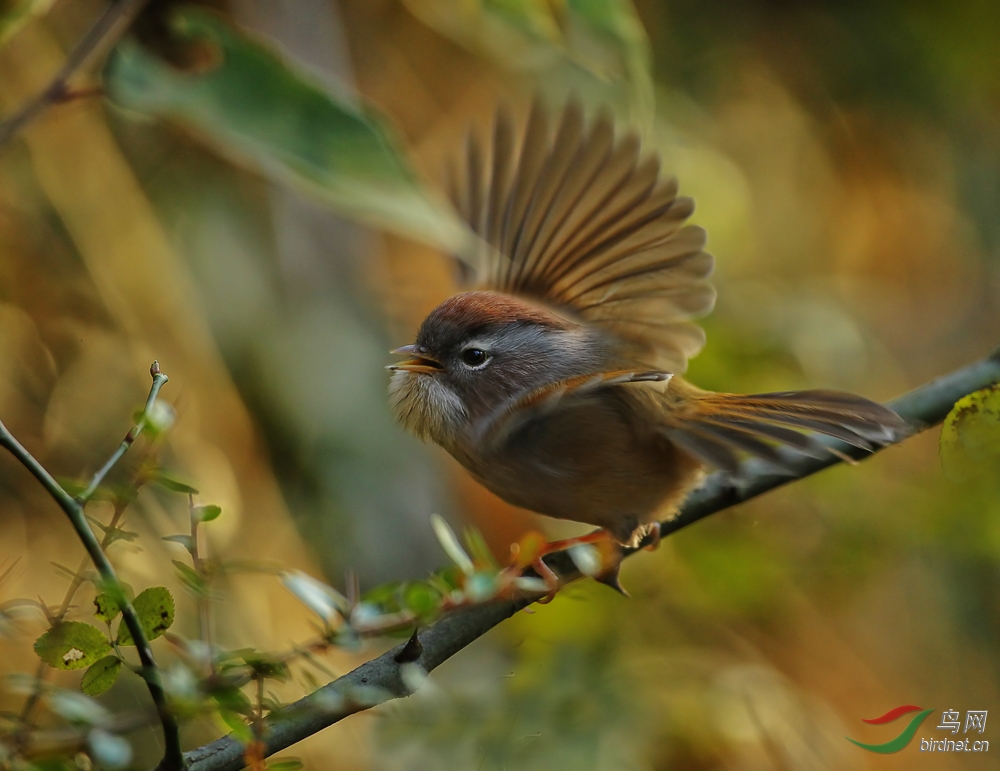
[{"x": 970, "y": 437}]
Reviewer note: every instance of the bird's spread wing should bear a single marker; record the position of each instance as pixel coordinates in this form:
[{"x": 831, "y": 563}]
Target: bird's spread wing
[{"x": 576, "y": 217}]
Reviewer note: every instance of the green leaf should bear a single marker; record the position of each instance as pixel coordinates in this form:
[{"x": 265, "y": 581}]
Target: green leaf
[
  {"x": 173, "y": 484},
  {"x": 183, "y": 540},
  {"x": 72, "y": 486},
  {"x": 118, "y": 534},
  {"x": 970, "y": 437},
  {"x": 155, "y": 608},
  {"x": 101, "y": 676},
  {"x": 601, "y": 39},
  {"x": 106, "y": 607},
  {"x": 236, "y": 723},
  {"x": 159, "y": 418},
  {"x": 233, "y": 700},
  {"x": 325, "y": 601},
  {"x": 447, "y": 579},
  {"x": 480, "y": 552},
  {"x": 190, "y": 578},
  {"x": 284, "y": 764},
  {"x": 266, "y": 666},
  {"x": 450, "y": 544},
  {"x": 256, "y": 108},
  {"x": 72, "y": 645},
  {"x": 422, "y": 599},
  {"x": 613, "y": 28},
  {"x": 385, "y": 597},
  {"x": 206, "y": 513}
]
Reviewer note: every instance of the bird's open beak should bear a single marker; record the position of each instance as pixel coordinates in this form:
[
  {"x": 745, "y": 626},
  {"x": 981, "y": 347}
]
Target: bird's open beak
[{"x": 421, "y": 362}]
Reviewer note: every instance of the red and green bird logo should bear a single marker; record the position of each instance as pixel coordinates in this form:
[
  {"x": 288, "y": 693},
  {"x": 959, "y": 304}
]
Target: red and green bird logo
[{"x": 895, "y": 745}]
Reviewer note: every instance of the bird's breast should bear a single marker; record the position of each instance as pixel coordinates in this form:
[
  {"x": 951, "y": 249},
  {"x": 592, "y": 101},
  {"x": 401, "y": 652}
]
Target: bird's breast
[{"x": 587, "y": 463}]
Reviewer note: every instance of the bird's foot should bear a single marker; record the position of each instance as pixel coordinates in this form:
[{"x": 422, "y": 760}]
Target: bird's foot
[
  {"x": 597, "y": 554},
  {"x": 654, "y": 534}
]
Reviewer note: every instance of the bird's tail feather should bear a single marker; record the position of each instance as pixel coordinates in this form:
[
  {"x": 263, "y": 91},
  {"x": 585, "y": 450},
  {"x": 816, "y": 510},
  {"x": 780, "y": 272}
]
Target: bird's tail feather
[{"x": 717, "y": 428}]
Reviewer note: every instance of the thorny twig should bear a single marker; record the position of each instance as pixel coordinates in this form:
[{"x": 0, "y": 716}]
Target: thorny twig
[{"x": 173, "y": 758}]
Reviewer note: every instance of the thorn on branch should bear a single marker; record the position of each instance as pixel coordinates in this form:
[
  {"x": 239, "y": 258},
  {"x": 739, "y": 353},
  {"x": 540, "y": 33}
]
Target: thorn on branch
[{"x": 410, "y": 652}]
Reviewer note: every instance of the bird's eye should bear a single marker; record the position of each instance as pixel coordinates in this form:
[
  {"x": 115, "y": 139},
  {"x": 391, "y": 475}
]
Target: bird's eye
[{"x": 475, "y": 357}]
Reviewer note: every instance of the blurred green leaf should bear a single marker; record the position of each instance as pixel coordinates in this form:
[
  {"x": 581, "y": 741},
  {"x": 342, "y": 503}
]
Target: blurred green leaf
[
  {"x": 386, "y": 597},
  {"x": 422, "y": 599},
  {"x": 190, "y": 578},
  {"x": 14, "y": 14},
  {"x": 523, "y": 34},
  {"x": 267, "y": 666},
  {"x": 533, "y": 17},
  {"x": 180, "y": 538},
  {"x": 478, "y": 548},
  {"x": 76, "y": 707},
  {"x": 604, "y": 38},
  {"x": 110, "y": 751},
  {"x": 237, "y": 724},
  {"x": 207, "y": 513},
  {"x": 447, "y": 579},
  {"x": 618, "y": 47},
  {"x": 256, "y": 108},
  {"x": 285, "y": 764},
  {"x": 101, "y": 675},
  {"x": 323, "y": 600},
  {"x": 970, "y": 437},
  {"x": 158, "y": 418},
  {"x": 72, "y": 645},
  {"x": 233, "y": 700},
  {"x": 451, "y": 545},
  {"x": 106, "y": 607},
  {"x": 112, "y": 534},
  {"x": 173, "y": 484},
  {"x": 155, "y": 608}
]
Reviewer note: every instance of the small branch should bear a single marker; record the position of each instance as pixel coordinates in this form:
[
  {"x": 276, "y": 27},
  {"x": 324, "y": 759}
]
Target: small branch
[
  {"x": 381, "y": 679},
  {"x": 158, "y": 380},
  {"x": 173, "y": 758},
  {"x": 108, "y": 28}
]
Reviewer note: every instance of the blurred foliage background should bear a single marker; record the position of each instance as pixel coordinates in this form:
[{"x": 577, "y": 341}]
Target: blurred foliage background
[{"x": 268, "y": 244}]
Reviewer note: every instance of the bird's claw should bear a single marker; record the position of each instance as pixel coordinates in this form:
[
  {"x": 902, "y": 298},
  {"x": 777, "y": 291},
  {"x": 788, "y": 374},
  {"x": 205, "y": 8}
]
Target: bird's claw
[{"x": 531, "y": 550}]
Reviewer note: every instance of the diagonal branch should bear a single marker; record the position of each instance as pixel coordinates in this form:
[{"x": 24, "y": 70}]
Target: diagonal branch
[
  {"x": 108, "y": 27},
  {"x": 173, "y": 759},
  {"x": 384, "y": 678}
]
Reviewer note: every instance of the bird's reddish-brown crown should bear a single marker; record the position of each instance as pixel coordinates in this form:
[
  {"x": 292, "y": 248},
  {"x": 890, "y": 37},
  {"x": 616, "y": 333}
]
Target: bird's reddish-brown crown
[{"x": 484, "y": 308}]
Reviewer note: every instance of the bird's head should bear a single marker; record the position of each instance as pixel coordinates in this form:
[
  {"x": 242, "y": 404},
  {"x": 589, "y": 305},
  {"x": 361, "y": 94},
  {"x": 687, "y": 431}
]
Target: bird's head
[{"x": 478, "y": 350}]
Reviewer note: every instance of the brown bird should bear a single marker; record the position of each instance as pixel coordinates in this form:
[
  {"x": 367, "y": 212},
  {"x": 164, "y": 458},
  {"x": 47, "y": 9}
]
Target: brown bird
[{"x": 556, "y": 382}]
